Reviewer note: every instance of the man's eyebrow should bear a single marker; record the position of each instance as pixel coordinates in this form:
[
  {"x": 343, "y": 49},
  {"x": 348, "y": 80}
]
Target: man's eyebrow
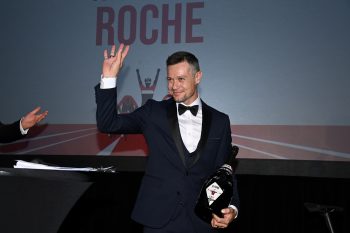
[{"x": 177, "y": 77}]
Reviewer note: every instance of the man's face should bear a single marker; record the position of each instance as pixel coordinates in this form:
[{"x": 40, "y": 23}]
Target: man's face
[{"x": 182, "y": 83}]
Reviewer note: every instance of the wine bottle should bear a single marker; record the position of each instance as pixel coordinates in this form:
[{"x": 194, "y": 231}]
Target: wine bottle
[{"x": 216, "y": 192}]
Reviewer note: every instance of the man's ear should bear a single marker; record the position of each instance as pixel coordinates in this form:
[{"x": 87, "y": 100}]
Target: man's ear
[{"x": 198, "y": 77}]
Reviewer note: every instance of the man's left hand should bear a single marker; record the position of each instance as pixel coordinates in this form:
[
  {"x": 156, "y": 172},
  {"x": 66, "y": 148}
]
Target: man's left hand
[{"x": 229, "y": 215}]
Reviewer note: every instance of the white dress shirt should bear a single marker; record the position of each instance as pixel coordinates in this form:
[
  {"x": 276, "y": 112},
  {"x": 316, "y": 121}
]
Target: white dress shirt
[
  {"x": 23, "y": 131},
  {"x": 191, "y": 126}
]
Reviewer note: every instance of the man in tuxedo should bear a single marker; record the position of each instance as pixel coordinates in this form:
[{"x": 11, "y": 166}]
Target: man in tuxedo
[
  {"x": 185, "y": 147},
  {"x": 18, "y": 129}
]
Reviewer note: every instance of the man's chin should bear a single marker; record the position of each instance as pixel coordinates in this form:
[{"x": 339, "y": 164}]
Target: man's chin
[{"x": 178, "y": 100}]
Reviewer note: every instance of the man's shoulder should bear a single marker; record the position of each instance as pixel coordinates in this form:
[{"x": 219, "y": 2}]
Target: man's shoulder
[
  {"x": 214, "y": 110},
  {"x": 163, "y": 102},
  {"x": 155, "y": 105}
]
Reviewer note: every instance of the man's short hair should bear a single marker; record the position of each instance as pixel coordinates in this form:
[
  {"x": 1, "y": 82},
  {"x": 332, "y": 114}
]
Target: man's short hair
[{"x": 182, "y": 56}]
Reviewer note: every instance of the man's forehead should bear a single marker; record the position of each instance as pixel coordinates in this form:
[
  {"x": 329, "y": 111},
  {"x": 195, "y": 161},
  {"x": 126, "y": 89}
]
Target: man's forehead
[{"x": 179, "y": 70}]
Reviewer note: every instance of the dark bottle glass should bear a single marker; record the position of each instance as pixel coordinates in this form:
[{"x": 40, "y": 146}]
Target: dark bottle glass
[{"x": 216, "y": 192}]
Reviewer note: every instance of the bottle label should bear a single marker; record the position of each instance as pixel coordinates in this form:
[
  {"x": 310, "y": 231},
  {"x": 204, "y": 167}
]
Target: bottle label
[{"x": 213, "y": 192}]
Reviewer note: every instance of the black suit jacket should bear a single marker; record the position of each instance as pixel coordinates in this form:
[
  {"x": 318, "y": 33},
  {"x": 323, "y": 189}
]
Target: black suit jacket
[
  {"x": 10, "y": 132},
  {"x": 167, "y": 182}
]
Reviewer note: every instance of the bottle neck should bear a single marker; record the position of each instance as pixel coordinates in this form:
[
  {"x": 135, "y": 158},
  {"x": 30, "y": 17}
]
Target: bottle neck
[{"x": 227, "y": 168}]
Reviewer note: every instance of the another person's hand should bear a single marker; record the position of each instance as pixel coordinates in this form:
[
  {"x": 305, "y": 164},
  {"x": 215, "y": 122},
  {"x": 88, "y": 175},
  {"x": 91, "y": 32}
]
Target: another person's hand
[
  {"x": 33, "y": 118},
  {"x": 114, "y": 61},
  {"x": 229, "y": 215}
]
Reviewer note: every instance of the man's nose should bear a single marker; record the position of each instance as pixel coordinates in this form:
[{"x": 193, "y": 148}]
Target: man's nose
[{"x": 175, "y": 85}]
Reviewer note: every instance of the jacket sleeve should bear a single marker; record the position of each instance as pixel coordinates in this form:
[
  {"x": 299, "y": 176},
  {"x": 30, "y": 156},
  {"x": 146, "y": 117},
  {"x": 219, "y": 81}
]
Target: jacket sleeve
[
  {"x": 107, "y": 117},
  {"x": 10, "y": 132}
]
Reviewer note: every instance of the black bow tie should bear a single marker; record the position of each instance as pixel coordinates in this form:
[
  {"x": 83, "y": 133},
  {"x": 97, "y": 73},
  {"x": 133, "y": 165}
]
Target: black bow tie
[{"x": 183, "y": 108}]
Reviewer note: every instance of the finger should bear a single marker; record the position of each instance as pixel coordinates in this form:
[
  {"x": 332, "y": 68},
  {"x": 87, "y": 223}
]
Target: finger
[
  {"x": 105, "y": 54},
  {"x": 41, "y": 116},
  {"x": 40, "y": 119},
  {"x": 219, "y": 224},
  {"x": 35, "y": 111},
  {"x": 215, "y": 217},
  {"x": 125, "y": 51},
  {"x": 120, "y": 50},
  {"x": 226, "y": 211},
  {"x": 213, "y": 223},
  {"x": 112, "y": 51}
]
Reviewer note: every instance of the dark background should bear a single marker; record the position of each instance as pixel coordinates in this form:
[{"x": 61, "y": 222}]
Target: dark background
[{"x": 272, "y": 200}]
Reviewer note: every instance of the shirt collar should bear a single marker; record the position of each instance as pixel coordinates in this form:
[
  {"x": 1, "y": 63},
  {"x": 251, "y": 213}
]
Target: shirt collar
[{"x": 196, "y": 102}]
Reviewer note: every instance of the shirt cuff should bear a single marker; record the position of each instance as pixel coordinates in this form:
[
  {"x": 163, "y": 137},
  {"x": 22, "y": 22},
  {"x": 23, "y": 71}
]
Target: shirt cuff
[
  {"x": 108, "y": 82},
  {"x": 23, "y": 131},
  {"x": 235, "y": 209}
]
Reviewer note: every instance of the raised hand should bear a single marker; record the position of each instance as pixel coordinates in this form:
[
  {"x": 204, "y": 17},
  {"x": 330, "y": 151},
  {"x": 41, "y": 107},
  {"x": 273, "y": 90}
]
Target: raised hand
[
  {"x": 33, "y": 118},
  {"x": 114, "y": 61}
]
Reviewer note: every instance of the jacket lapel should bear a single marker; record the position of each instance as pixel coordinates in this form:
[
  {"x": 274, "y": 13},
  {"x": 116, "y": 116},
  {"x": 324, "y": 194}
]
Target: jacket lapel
[
  {"x": 175, "y": 130},
  {"x": 206, "y": 121}
]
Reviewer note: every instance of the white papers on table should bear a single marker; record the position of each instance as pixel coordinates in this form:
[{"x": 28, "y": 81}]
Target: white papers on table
[{"x": 30, "y": 165}]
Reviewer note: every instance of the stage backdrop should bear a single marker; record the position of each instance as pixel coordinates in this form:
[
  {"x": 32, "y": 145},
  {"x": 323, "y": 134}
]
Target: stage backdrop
[{"x": 279, "y": 68}]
